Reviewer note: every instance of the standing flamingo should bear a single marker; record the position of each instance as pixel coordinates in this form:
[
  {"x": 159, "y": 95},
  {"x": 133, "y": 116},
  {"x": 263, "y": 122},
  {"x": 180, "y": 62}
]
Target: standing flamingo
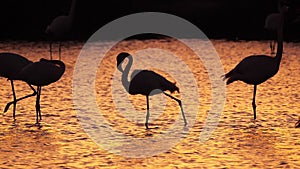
[
  {"x": 10, "y": 65},
  {"x": 272, "y": 24},
  {"x": 145, "y": 82},
  {"x": 60, "y": 26},
  {"x": 40, "y": 74},
  {"x": 256, "y": 69}
]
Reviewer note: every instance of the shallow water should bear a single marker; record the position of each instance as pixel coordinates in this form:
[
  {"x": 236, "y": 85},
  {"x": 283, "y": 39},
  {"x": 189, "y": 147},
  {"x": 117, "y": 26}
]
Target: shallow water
[{"x": 238, "y": 142}]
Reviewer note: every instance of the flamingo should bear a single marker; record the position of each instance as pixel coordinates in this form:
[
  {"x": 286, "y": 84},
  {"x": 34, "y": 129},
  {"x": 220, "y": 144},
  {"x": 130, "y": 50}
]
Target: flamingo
[
  {"x": 41, "y": 73},
  {"x": 256, "y": 69},
  {"x": 10, "y": 65},
  {"x": 272, "y": 23},
  {"x": 145, "y": 82},
  {"x": 60, "y": 26}
]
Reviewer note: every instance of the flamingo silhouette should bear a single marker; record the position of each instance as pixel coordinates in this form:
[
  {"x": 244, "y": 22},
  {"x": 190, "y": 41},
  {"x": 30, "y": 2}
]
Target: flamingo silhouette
[
  {"x": 256, "y": 69},
  {"x": 10, "y": 65},
  {"x": 145, "y": 82},
  {"x": 41, "y": 73},
  {"x": 59, "y": 27},
  {"x": 272, "y": 24}
]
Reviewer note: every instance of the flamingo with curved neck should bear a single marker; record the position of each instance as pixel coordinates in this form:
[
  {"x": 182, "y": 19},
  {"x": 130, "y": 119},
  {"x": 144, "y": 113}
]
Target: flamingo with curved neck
[
  {"x": 146, "y": 82},
  {"x": 59, "y": 27}
]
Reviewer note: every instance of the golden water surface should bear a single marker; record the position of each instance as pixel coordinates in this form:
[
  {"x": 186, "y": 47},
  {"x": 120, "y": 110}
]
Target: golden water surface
[{"x": 60, "y": 141}]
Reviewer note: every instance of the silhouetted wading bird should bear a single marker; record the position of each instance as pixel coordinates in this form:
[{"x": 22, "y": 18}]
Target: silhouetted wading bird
[
  {"x": 10, "y": 65},
  {"x": 40, "y": 74},
  {"x": 272, "y": 24},
  {"x": 145, "y": 82},
  {"x": 60, "y": 27},
  {"x": 256, "y": 69}
]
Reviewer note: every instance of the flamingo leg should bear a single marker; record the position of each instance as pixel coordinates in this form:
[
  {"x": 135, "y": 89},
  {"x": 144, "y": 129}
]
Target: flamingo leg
[
  {"x": 59, "y": 50},
  {"x": 37, "y": 105},
  {"x": 253, "y": 102},
  {"x": 272, "y": 47},
  {"x": 148, "y": 114},
  {"x": 50, "y": 44},
  {"x": 16, "y": 100},
  {"x": 180, "y": 105},
  {"x": 40, "y": 114}
]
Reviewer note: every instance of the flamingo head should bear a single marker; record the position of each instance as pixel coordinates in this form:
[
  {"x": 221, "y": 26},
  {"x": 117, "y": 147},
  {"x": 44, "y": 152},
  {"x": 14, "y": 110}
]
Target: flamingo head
[
  {"x": 284, "y": 6},
  {"x": 120, "y": 59},
  {"x": 284, "y": 9}
]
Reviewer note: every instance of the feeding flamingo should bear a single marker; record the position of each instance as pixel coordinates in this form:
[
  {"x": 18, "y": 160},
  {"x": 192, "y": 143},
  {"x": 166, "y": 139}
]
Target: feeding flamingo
[
  {"x": 145, "y": 82},
  {"x": 10, "y": 65},
  {"x": 41, "y": 73}
]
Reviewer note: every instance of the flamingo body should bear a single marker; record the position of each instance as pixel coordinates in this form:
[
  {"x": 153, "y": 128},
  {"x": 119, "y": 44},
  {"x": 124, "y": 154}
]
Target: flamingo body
[
  {"x": 272, "y": 21},
  {"x": 11, "y": 64},
  {"x": 59, "y": 27},
  {"x": 142, "y": 82},
  {"x": 41, "y": 73},
  {"x": 254, "y": 70}
]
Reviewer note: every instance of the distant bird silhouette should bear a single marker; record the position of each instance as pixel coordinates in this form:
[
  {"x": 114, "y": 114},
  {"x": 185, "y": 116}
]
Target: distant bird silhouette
[
  {"x": 10, "y": 65},
  {"x": 41, "y": 73},
  {"x": 145, "y": 82},
  {"x": 272, "y": 24},
  {"x": 256, "y": 69},
  {"x": 59, "y": 27}
]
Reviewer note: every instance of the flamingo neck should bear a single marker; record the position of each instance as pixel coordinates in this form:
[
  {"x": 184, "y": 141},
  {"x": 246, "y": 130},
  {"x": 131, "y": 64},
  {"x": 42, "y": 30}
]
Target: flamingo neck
[
  {"x": 72, "y": 9},
  {"x": 125, "y": 74},
  {"x": 280, "y": 39}
]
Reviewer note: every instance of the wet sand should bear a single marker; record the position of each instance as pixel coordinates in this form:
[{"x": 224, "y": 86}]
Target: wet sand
[{"x": 238, "y": 142}]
